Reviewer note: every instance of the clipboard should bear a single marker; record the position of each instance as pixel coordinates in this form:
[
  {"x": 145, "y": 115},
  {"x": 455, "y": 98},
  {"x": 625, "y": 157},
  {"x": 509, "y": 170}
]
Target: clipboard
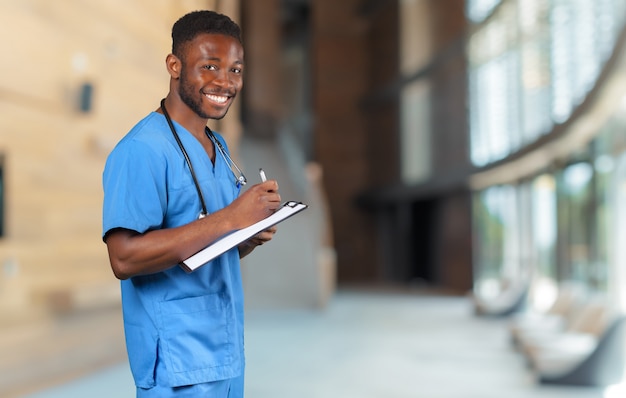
[{"x": 233, "y": 239}]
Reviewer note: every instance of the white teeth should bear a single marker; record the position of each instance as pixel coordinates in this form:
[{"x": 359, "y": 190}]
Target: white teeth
[{"x": 217, "y": 98}]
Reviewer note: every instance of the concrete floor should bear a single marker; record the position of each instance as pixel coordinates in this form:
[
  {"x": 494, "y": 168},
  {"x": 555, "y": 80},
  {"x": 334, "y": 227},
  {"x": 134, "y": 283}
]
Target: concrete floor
[{"x": 378, "y": 345}]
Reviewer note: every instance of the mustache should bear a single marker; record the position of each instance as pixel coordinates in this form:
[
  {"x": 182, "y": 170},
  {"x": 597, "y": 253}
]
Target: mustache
[{"x": 224, "y": 92}]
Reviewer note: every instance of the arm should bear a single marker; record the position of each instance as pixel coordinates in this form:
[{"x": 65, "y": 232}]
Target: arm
[{"x": 132, "y": 253}]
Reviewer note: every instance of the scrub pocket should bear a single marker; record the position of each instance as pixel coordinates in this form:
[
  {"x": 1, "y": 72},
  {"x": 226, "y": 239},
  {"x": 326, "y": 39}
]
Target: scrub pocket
[{"x": 197, "y": 338}]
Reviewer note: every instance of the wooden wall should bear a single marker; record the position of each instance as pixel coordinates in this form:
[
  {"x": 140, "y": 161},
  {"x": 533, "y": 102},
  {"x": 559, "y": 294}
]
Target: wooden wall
[{"x": 52, "y": 252}]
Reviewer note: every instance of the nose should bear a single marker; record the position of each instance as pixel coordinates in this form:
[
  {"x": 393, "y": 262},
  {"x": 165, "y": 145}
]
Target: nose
[{"x": 222, "y": 79}]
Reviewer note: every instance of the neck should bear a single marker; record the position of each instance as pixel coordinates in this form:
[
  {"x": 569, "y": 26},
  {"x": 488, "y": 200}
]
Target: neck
[
  {"x": 204, "y": 137},
  {"x": 184, "y": 116}
]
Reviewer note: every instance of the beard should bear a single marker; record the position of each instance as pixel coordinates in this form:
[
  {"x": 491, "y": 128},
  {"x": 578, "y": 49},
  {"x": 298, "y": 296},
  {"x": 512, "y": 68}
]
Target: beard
[{"x": 187, "y": 95}]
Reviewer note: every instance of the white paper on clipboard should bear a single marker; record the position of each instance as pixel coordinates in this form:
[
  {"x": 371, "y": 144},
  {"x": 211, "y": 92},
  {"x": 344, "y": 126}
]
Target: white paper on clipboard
[{"x": 233, "y": 239}]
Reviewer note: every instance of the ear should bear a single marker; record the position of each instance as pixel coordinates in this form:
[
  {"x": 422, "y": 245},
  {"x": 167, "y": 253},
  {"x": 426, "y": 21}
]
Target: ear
[{"x": 173, "y": 65}]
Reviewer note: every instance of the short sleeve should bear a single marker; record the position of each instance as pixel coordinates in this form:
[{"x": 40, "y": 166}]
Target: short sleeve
[{"x": 134, "y": 181}]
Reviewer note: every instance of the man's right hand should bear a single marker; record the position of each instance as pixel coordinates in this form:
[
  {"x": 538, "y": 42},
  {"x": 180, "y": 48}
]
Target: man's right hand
[{"x": 255, "y": 204}]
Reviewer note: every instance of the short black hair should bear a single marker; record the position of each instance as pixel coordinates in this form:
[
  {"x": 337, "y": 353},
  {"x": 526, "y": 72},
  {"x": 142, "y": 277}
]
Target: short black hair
[{"x": 198, "y": 22}]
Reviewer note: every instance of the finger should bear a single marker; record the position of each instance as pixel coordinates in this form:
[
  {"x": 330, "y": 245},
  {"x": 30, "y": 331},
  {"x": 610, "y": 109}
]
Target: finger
[
  {"x": 274, "y": 198},
  {"x": 258, "y": 241},
  {"x": 264, "y": 236},
  {"x": 270, "y": 186}
]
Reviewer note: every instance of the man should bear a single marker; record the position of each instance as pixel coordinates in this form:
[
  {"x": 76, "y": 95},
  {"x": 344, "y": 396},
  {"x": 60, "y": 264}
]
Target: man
[{"x": 184, "y": 331}]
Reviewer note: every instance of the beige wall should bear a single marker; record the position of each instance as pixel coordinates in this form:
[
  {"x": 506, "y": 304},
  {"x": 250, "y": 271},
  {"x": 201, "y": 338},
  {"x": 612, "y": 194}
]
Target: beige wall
[{"x": 54, "y": 154}]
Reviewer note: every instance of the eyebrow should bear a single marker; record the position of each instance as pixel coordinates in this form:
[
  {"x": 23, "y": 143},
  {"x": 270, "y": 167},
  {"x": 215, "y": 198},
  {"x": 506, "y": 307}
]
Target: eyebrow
[{"x": 217, "y": 59}]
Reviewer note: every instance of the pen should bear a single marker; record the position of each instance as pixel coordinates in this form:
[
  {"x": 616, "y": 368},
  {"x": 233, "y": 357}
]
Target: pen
[{"x": 262, "y": 174}]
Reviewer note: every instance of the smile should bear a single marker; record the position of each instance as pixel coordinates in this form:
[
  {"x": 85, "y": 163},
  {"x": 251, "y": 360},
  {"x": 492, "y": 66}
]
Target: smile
[{"x": 218, "y": 99}]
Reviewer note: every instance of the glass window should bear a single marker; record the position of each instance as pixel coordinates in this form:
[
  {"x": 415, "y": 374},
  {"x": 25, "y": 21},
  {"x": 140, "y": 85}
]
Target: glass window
[
  {"x": 544, "y": 225},
  {"x": 497, "y": 238},
  {"x": 544, "y": 241},
  {"x": 493, "y": 81},
  {"x": 610, "y": 168},
  {"x": 531, "y": 63},
  {"x": 603, "y": 166},
  {"x": 478, "y": 10},
  {"x": 576, "y": 221},
  {"x": 576, "y": 62},
  {"x": 561, "y": 44},
  {"x": 535, "y": 69},
  {"x": 618, "y": 229}
]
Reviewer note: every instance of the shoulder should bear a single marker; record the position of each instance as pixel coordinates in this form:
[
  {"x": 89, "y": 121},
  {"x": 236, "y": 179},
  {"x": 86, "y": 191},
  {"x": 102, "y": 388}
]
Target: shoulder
[
  {"x": 151, "y": 129},
  {"x": 148, "y": 141},
  {"x": 149, "y": 134}
]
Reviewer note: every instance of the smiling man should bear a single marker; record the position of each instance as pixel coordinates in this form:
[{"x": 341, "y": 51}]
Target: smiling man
[{"x": 170, "y": 189}]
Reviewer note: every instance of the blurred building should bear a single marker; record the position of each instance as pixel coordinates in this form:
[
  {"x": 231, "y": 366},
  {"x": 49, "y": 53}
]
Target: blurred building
[{"x": 449, "y": 145}]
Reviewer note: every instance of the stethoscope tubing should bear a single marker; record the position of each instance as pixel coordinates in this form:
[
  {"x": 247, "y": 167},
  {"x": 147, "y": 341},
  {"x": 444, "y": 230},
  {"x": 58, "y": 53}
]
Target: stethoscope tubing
[{"x": 241, "y": 180}]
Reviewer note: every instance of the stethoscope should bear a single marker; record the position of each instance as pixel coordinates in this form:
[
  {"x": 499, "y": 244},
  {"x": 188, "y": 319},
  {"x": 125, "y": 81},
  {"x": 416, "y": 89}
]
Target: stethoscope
[{"x": 239, "y": 181}]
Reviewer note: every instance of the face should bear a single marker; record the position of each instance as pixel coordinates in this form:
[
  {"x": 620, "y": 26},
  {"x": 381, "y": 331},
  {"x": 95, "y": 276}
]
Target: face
[{"x": 211, "y": 74}]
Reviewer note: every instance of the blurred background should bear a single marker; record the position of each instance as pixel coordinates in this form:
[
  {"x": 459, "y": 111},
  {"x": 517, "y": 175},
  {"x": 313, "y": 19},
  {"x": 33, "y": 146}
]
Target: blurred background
[{"x": 464, "y": 163}]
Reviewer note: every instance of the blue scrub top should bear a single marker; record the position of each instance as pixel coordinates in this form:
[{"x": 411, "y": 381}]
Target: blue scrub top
[{"x": 193, "y": 323}]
